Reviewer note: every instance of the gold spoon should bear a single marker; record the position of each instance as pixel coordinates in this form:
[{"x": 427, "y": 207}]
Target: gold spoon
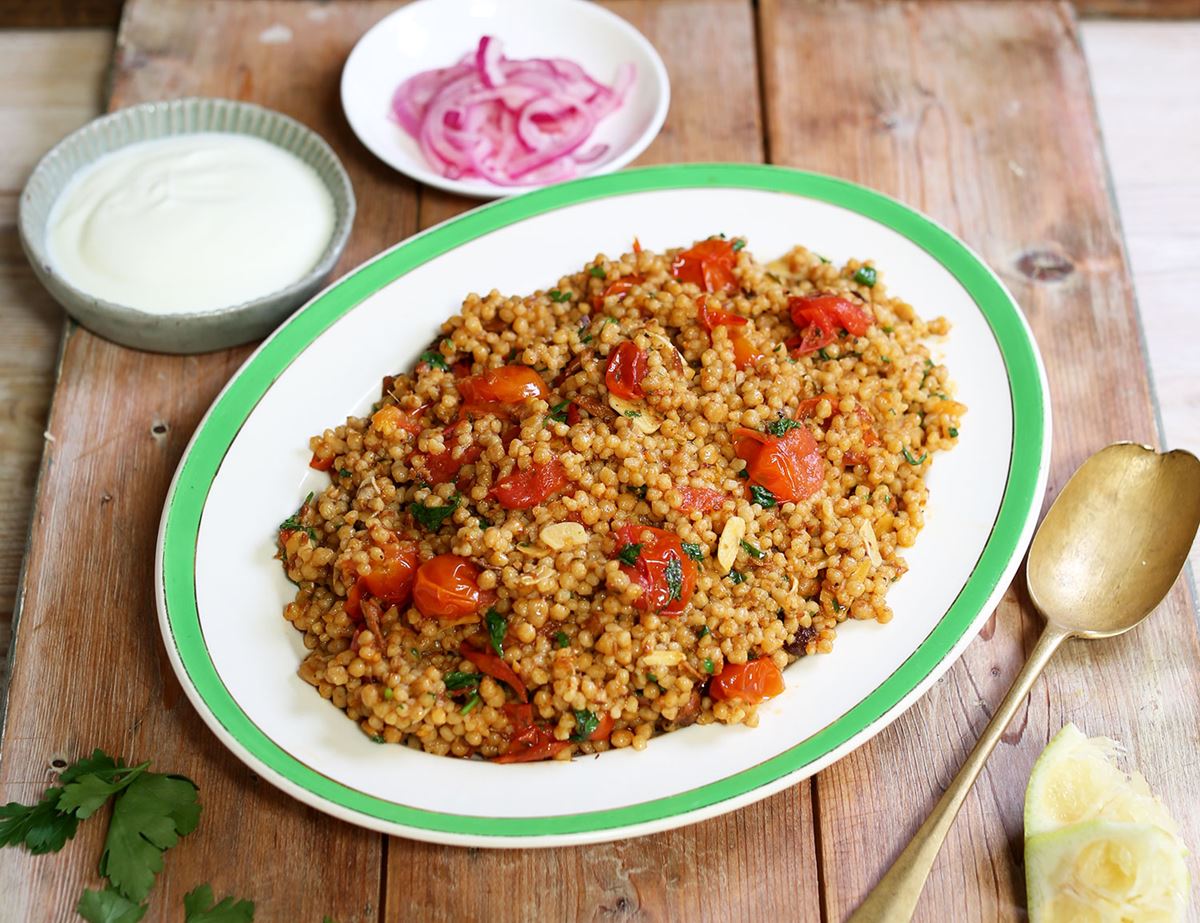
[{"x": 1103, "y": 558}]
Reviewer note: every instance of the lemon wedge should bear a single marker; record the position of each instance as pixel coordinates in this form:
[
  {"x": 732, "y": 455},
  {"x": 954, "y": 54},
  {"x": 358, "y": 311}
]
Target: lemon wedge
[
  {"x": 1103, "y": 871},
  {"x": 1076, "y": 779}
]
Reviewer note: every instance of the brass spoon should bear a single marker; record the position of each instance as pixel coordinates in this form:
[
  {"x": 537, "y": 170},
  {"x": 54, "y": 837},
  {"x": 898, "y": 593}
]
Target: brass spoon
[{"x": 1103, "y": 558}]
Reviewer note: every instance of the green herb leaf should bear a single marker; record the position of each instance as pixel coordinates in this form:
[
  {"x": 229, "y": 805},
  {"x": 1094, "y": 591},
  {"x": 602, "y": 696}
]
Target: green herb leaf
[
  {"x": 40, "y": 828},
  {"x": 432, "y": 517},
  {"x": 953, "y": 432},
  {"x": 674, "y": 575},
  {"x": 908, "y": 457},
  {"x": 435, "y": 359},
  {"x": 824, "y": 355},
  {"x": 597, "y": 272},
  {"x": 693, "y": 551},
  {"x": 88, "y": 793},
  {"x": 198, "y": 907},
  {"x": 837, "y": 606},
  {"x": 108, "y": 906},
  {"x": 388, "y": 694},
  {"x": 345, "y": 472},
  {"x": 149, "y": 817},
  {"x": 633, "y": 414},
  {"x": 558, "y": 413},
  {"x": 586, "y": 338},
  {"x": 782, "y": 425},
  {"x": 744, "y": 474},
  {"x": 738, "y": 244},
  {"x": 292, "y": 523},
  {"x": 866, "y": 276},
  {"x": 558, "y": 297},
  {"x": 702, "y": 632},
  {"x": 736, "y": 576},
  {"x": 416, "y": 653},
  {"x": 561, "y": 640},
  {"x": 753, "y": 551},
  {"x": 889, "y": 329},
  {"x": 629, "y": 554},
  {"x": 639, "y": 491},
  {"x": 708, "y": 665},
  {"x": 456, "y": 680},
  {"x": 585, "y": 725},
  {"x": 484, "y": 522},
  {"x": 821, "y": 258},
  {"x": 762, "y": 496},
  {"x": 497, "y": 626},
  {"x": 471, "y": 703}
]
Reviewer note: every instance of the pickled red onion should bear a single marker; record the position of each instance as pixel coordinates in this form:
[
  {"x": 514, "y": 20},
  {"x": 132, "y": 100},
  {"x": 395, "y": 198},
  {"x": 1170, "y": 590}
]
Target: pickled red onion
[{"x": 511, "y": 122}]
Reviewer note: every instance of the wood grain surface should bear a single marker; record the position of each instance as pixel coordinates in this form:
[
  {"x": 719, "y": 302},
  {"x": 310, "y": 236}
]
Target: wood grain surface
[{"x": 976, "y": 112}]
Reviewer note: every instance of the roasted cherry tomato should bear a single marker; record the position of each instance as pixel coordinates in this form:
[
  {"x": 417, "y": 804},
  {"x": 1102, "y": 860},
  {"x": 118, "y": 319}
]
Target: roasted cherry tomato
[
  {"x": 700, "y": 499},
  {"x": 321, "y": 464},
  {"x": 820, "y": 317},
  {"x": 751, "y": 682},
  {"x": 524, "y": 489},
  {"x": 626, "y": 368},
  {"x": 447, "y": 587},
  {"x": 712, "y": 318},
  {"x": 390, "y": 581},
  {"x": 666, "y": 575},
  {"x": 790, "y": 466},
  {"x": 501, "y": 387},
  {"x": 620, "y": 288},
  {"x": 574, "y": 415},
  {"x": 389, "y": 418},
  {"x": 744, "y": 353},
  {"x": 441, "y": 467},
  {"x": 531, "y": 744},
  {"x": 604, "y": 728},
  {"x": 495, "y": 667},
  {"x": 709, "y": 265}
]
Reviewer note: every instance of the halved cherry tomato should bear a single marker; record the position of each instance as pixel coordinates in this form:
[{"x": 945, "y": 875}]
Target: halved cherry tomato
[
  {"x": 495, "y": 389},
  {"x": 790, "y": 466},
  {"x": 447, "y": 587},
  {"x": 604, "y": 729},
  {"x": 744, "y": 353},
  {"x": 819, "y": 318},
  {"x": 440, "y": 467},
  {"x": 495, "y": 667},
  {"x": 666, "y": 575},
  {"x": 709, "y": 265},
  {"x": 809, "y": 340},
  {"x": 390, "y": 581},
  {"x": 700, "y": 499},
  {"x": 531, "y": 744},
  {"x": 620, "y": 287},
  {"x": 524, "y": 489},
  {"x": 751, "y": 682},
  {"x": 712, "y": 318},
  {"x": 321, "y": 464},
  {"x": 626, "y": 368}
]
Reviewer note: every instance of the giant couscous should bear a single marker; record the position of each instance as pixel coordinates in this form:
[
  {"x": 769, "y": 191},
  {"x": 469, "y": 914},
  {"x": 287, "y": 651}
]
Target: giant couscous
[{"x": 620, "y": 506}]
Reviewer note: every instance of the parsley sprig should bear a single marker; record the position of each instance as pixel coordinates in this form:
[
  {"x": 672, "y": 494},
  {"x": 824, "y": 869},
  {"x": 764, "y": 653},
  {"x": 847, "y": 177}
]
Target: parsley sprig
[
  {"x": 630, "y": 553},
  {"x": 432, "y": 517}
]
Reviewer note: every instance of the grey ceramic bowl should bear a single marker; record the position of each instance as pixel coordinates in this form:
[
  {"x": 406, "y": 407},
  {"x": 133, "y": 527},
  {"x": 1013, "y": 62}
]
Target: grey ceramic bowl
[{"x": 199, "y": 331}]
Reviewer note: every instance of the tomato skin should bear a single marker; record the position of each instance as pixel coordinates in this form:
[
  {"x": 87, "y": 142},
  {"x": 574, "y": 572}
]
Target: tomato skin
[
  {"x": 495, "y": 667},
  {"x": 819, "y": 318},
  {"x": 752, "y": 682},
  {"x": 524, "y": 489},
  {"x": 744, "y": 353},
  {"x": 708, "y": 264},
  {"x": 712, "y": 318},
  {"x": 619, "y": 287},
  {"x": 321, "y": 464},
  {"x": 650, "y": 571},
  {"x": 390, "y": 581},
  {"x": 528, "y": 742},
  {"x": 626, "y": 368},
  {"x": 440, "y": 467},
  {"x": 447, "y": 587},
  {"x": 790, "y": 466},
  {"x": 501, "y": 387},
  {"x": 574, "y": 415},
  {"x": 700, "y": 499},
  {"x": 604, "y": 729}
]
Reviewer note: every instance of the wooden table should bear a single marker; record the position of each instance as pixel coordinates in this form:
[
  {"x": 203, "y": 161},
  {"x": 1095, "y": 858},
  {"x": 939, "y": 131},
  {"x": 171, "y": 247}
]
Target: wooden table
[{"x": 977, "y": 112}]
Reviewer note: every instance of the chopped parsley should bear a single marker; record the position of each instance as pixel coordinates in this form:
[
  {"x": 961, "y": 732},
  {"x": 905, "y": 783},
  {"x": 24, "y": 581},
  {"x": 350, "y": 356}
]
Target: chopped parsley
[
  {"x": 821, "y": 258},
  {"x": 639, "y": 491},
  {"x": 456, "y": 680},
  {"x": 388, "y": 693},
  {"x": 470, "y": 706},
  {"x": 558, "y": 297},
  {"x": 693, "y": 551},
  {"x": 762, "y": 496},
  {"x": 781, "y": 426},
  {"x": 908, "y": 457},
  {"x": 561, "y": 640},
  {"x": 377, "y": 739},
  {"x": 824, "y": 355},
  {"x": 634, "y": 414},
  {"x": 585, "y": 725},
  {"x": 752, "y": 550},
  {"x": 497, "y": 626},
  {"x": 743, "y": 474},
  {"x": 837, "y": 606},
  {"x": 586, "y": 338},
  {"x": 345, "y": 472},
  {"x": 928, "y": 370},
  {"x": 736, "y": 576},
  {"x": 708, "y": 665},
  {"x": 738, "y": 244},
  {"x": 292, "y": 523},
  {"x": 484, "y": 522},
  {"x": 953, "y": 432},
  {"x": 597, "y": 272},
  {"x": 416, "y": 653},
  {"x": 866, "y": 276},
  {"x": 674, "y": 575},
  {"x": 558, "y": 413},
  {"x": 435, "y": 359},
  {"x": 889, "y": 329},
  {"x": 702, "y": 632},
  {"x": 432, "y": 517},
  {"x": 630, "y": 553}
]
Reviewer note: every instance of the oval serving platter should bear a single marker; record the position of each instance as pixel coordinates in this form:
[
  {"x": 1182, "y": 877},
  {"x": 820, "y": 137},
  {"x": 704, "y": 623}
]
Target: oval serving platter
[{"x": 221, "y": 593}]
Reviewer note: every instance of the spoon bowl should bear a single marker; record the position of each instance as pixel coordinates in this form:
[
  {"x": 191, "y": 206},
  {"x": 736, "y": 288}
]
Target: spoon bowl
[{"x": 1115, "y": 539}]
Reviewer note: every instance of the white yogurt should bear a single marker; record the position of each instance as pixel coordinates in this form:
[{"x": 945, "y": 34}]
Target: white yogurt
[{"x": 190, "y": 223}]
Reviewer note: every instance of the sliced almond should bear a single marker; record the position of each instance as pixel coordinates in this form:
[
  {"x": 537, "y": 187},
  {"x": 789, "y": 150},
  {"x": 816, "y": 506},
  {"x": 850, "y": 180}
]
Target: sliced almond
[
  {"x": 562, "y": 536},
  {"x": 660, "y": 342},
  {"x": 730, "y": 542},
  {"x": 663, "y": 658},
  {"x": 639, "y": 415},
  {"x": 868, "y": 536}
]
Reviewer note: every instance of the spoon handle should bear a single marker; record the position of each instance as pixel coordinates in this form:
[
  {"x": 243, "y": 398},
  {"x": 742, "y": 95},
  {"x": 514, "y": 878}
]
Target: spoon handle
[{"x": 894, "y": 899}]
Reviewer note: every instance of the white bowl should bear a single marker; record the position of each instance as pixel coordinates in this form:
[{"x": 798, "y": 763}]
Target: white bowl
[{"x": 436, "y": 33}]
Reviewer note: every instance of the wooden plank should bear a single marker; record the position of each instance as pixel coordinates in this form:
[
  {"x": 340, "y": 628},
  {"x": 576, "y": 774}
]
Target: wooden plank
[
  {"x": 981, "y": 115},
  {"x": 754, "y": 859},
  {"x": 89, "y": 667},
  {"x": 59, "y": 14}
]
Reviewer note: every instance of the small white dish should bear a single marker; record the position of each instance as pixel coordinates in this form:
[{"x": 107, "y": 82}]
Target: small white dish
[{"x": 436, "y": 33}]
